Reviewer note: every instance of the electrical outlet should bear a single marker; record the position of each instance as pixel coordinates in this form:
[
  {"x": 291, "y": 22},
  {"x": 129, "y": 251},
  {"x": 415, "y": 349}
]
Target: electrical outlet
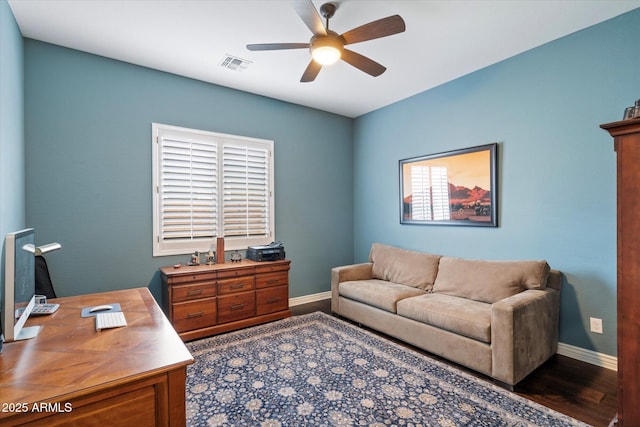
[{"x": 595, "y": 325}]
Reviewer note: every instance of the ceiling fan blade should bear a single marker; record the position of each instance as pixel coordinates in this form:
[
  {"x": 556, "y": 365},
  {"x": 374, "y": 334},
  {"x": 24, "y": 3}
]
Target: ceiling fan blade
[
  {"x": 373, "y": 30},
  {"x": 311, "y": 72},
  {"x": 277, "y": 46},
  {"x": 308, "y": 13},
  {"x": 363, "y": 63}
]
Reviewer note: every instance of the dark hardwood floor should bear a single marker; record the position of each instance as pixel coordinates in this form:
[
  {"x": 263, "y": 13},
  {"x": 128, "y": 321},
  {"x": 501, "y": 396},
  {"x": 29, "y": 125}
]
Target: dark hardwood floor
[{"x": 575, "y": 388}]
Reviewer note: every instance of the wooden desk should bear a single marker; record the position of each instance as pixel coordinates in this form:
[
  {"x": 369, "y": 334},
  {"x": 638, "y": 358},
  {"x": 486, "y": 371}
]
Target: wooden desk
[{"x": 71, "y": 374}]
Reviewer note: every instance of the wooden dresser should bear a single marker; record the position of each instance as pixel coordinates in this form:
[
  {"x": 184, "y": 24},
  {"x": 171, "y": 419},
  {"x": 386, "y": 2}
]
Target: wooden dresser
[
  {"x": 205, "y": 300},
  {"x": 626, "y": 136},
  {"x": 70, "y": 374}
]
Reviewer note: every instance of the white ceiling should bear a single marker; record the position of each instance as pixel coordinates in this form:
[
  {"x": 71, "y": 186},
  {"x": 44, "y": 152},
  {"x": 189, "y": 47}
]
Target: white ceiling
[{"x": 444, "y": 40}]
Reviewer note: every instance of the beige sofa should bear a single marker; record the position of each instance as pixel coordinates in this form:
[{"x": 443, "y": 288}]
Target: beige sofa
[{"x": 499, "y": 318}]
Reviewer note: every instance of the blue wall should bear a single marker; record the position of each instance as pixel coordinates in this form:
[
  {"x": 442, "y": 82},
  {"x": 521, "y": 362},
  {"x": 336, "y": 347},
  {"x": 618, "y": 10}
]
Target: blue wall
[
  {"x": 88, "y": 132},
  {"x": 88, "y": 168},
  {"x": 557, "y": 167},
  {"x": 12, "y": 162}
]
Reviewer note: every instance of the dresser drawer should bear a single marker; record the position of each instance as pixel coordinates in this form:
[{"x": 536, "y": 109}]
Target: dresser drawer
[
  {"x": 194, "y": 315},
  {"x": 272, "y": 279},
  {"x": 270, "y": 268},
  {"x": 190, "y": 292},
  {"x": 270, "y": 300},
  {"x": 240, "y": 284},
  {"x": 192, "y": 277},
  {"x": 236, "y": 306},
  {"x": 236, "y": 272}
]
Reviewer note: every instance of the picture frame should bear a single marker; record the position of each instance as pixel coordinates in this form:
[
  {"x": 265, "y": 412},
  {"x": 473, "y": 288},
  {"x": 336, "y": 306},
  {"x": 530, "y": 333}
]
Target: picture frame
[{"x": 458, "y": 187}]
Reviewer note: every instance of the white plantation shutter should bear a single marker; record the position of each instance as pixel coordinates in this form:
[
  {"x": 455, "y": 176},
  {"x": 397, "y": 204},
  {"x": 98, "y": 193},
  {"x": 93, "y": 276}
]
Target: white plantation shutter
[
  {"x": 208, "y": 185},
  {"x": 188, "y": 193},
  {"x": 245, "y": 191}
]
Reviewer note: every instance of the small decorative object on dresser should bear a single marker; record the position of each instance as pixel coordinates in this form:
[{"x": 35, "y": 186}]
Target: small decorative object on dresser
[
  {"x": 631, "y": 112},
  {"x": 220, "y": 250},
  {"x": 207, "y": 300},
  {"x": 236, "y": 256},
  {"x": 211, "y": 256},
  {"x": 195, "y": 258}
]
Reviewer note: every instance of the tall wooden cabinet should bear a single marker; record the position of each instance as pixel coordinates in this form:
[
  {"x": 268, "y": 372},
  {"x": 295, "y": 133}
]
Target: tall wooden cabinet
[{"x": 626, "y": 136}]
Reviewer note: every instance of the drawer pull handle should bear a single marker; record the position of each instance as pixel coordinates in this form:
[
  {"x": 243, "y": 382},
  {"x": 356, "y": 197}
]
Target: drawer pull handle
[
  {"x": 237, "y": 286},
  {"x": 272, "y": 300},
  {"x": 195, "y": 292},
  {"x": 236, "y": 307},
  {"x": 272, "y": 281},
  {"x": 194, "y": 315}
]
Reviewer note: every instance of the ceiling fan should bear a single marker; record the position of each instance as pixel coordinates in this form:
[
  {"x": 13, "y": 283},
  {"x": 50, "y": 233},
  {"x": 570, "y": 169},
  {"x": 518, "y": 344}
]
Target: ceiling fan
[{"x": 327, "y": 46}]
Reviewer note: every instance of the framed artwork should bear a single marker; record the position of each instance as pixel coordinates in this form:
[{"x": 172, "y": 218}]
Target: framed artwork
[{"x": 453, "y": 188}]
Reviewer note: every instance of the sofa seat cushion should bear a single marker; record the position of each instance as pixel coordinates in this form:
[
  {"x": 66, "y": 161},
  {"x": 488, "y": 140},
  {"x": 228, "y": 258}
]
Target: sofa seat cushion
[
  {"x": 378, "y": 293},
  {"x": 458, "y": 315}
]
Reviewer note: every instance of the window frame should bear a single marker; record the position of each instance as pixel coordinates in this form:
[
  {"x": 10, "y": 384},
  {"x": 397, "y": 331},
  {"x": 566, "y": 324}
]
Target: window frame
[{"x": 180, "y": 246}]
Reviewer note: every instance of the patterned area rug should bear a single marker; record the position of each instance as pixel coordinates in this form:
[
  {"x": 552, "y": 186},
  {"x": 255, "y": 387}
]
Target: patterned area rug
[{"x": 316, "y": 370}]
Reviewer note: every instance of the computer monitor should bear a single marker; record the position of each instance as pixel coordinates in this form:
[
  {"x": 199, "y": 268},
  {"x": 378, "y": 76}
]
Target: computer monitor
[{"x": 19, "y": 285}]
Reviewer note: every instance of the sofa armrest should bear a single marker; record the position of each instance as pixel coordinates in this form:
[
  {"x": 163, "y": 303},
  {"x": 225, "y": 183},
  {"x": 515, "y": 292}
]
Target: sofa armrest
[
  {"x": 347, "y": 273},
  {"x": 524, "y": 333}
]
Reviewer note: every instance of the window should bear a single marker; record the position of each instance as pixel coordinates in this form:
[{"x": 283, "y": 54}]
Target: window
[{"x": 208, "y": 185}]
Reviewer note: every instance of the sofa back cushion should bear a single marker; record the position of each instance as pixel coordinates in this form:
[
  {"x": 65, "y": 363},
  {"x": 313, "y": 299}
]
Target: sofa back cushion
[
  {"x": 403, "y": 266},
  {"x": 489, "y": 281}
]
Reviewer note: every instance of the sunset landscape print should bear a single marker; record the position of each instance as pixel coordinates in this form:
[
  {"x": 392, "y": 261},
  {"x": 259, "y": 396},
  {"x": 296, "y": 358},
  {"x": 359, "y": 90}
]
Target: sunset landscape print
[{"x": 456, "y": 188}]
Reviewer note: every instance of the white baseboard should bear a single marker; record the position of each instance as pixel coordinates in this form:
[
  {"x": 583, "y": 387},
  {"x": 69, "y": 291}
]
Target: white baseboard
[
  {"x": 589, "y": 356},
  {"x": 584, "y": 355},
  {"x": 309, "y": 298}
]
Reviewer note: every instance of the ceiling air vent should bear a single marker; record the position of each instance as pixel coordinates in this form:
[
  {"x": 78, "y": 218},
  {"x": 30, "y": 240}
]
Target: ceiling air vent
[{"x": 234, "y": 63}]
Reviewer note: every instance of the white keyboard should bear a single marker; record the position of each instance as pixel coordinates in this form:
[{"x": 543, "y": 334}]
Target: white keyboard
[{"x": 114, "y": 319}]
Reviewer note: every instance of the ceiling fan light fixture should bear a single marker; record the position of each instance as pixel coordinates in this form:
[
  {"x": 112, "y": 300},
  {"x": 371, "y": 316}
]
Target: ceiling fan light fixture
[
  {"x": 327, "y": 47},
  {"x": 326, "y": 55},
  {"x": 326, "y": 50}
]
